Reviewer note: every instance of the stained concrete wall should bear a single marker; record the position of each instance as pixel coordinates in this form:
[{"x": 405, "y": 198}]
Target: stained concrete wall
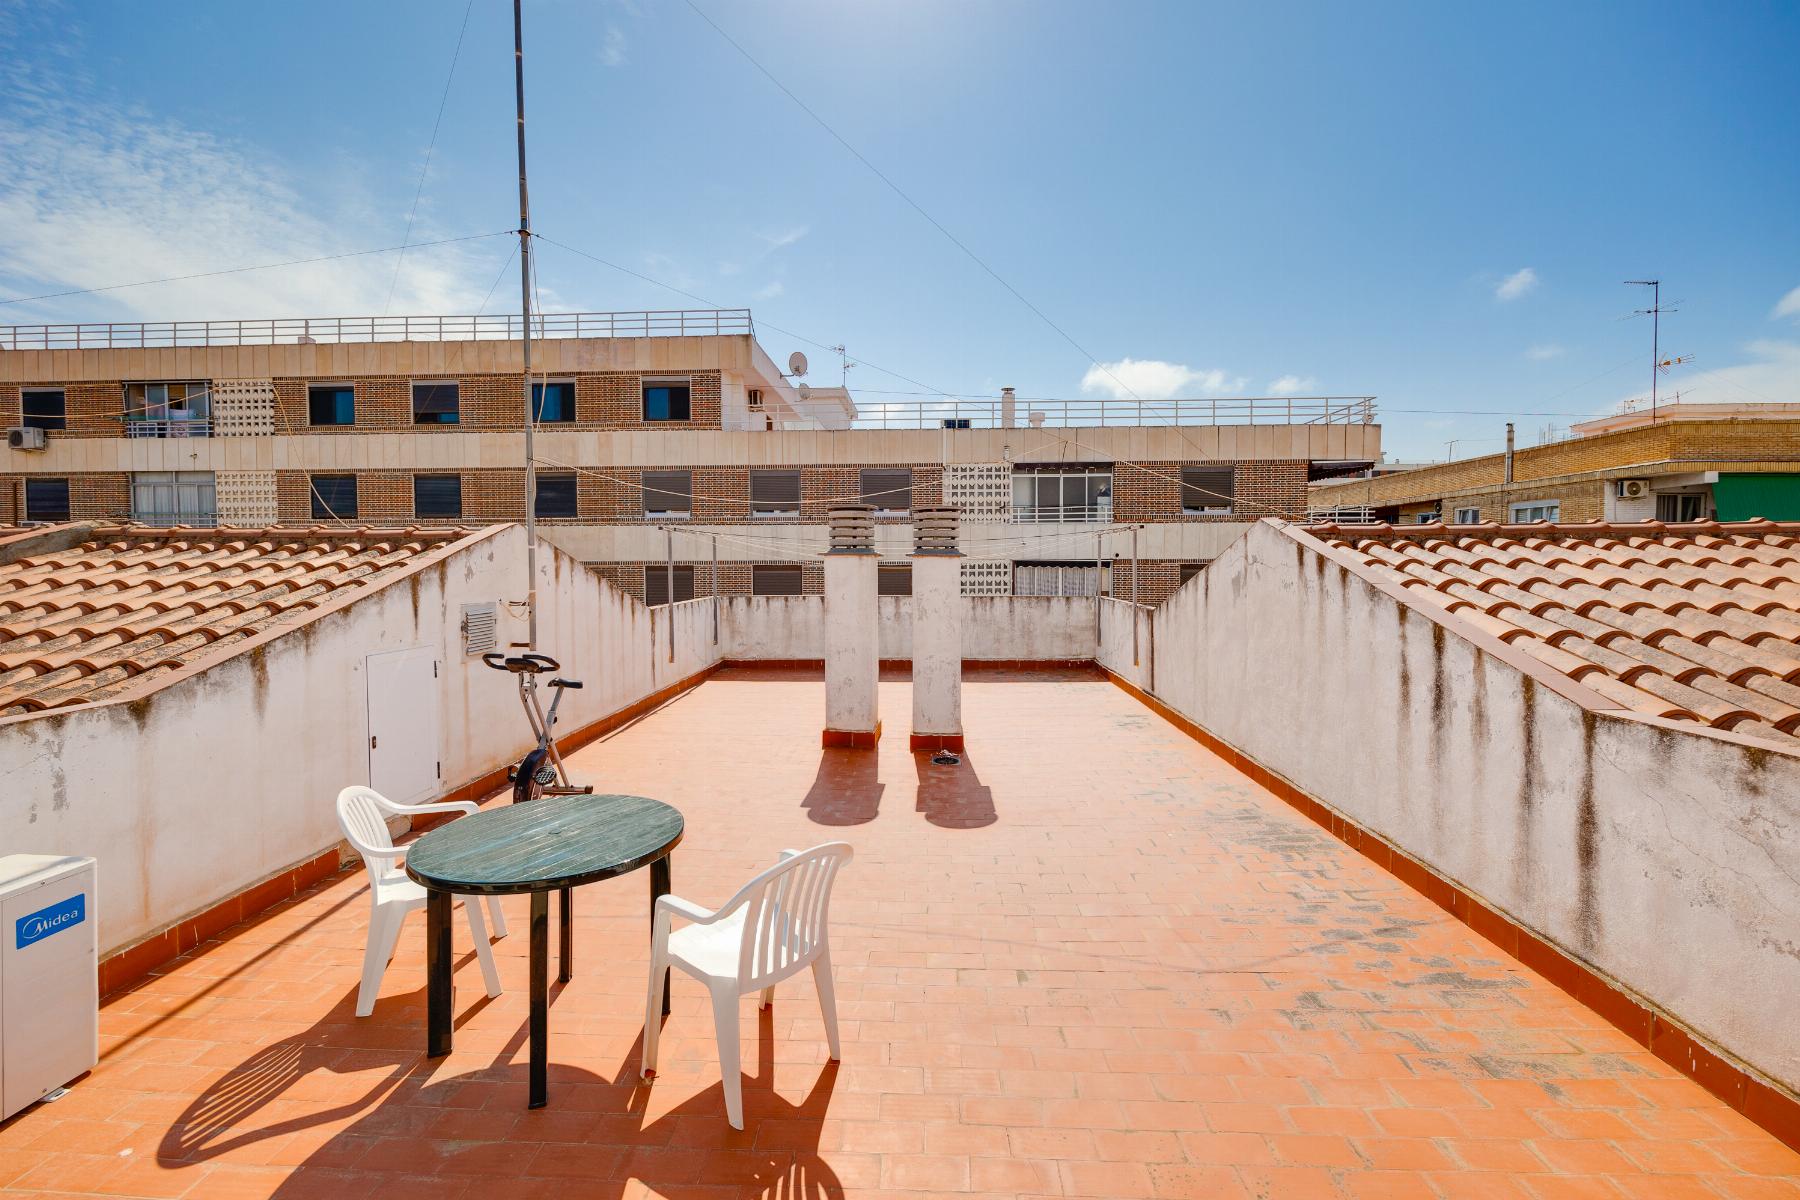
[
  {"x": 218, "y": 781},
  {"x": 993, "y": 627},
  {"x": 1668, "y": 860}
]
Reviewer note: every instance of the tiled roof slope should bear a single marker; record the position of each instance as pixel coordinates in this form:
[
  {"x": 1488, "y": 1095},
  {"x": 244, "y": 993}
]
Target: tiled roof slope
[
  {"x": 1693, "y": 622},
  {"x": 96, "y": 609}
]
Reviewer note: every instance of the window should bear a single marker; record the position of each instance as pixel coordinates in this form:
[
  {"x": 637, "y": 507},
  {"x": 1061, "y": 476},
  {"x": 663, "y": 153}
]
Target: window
[
  {"x": 556, "y": 494},
  {"x": 656, "y": 584},
  {"x": 893, "y": 579},
  {"x": 1426, "y": 518},
  {"x": 331, "y": 404},
  {"x": 168, "y": 410},
  {"x": 554, "y": 401},
  {"x": 436, "y": 403},
  {"x": 775, "y": 493},
  {"x": 43, "y": 408},
  {"x": 889, "y": 489},
  {"x": 775, "y": 581},
  {"x": 333, "y": 497},
  {"x": 1536, "y": 510},
  {"x": 1468, "y": 516},
  {"x": 1680, "y": 506},
  {"x": 1208, "y": 491},
  {"x": 174, "y": 498},
  {"x": 1056, "y": 579},
  {"x": 668, "y": 493},
  {"x": 1062, "y": 494},
  {"x": 666, "y": 400},
  {"x": 1189, "y": 570},
  {"x": 437, "y": 495},
  {"x": 46, "y": 499}
]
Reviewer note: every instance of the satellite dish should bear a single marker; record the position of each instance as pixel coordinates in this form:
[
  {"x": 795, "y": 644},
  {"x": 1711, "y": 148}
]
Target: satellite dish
[
  {"x": 796, "y": 363},
  {"x": 805, "y": 392}
]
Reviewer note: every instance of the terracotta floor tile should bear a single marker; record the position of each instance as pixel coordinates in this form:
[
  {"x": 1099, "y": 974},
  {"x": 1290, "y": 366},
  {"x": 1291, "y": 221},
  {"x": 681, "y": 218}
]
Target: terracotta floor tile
[{"x": 1041, "y": 993}]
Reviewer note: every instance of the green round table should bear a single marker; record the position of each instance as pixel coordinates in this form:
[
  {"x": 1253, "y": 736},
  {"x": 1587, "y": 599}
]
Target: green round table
[{"x": 555, "y": 844}]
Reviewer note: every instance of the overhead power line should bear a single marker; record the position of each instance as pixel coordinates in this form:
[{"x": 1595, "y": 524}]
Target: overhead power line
[
  {"x": 293, "y": 262},
  {"x": 429, "y": 150}
]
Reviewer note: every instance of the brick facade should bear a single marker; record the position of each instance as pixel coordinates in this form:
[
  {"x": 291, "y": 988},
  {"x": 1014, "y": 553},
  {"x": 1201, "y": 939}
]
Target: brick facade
[
  {"x": 603, "y": 400},
  {"x": 734, "y": 577},
  {"x": 1686, "y": 445},
  {"x": 90, "y": 409},
  {"x": 1264, "y": 488}
]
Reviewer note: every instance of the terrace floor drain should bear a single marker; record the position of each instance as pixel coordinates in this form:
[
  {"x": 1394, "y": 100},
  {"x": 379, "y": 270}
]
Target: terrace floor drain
[{"x": 944, "y": 758}]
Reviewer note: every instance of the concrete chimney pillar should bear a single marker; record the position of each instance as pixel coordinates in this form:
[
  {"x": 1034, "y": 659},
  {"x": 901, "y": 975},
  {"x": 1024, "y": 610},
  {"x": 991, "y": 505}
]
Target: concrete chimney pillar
[
  {"x": 852, "y": 652},
  {"x": 1008, "y": 406},
  {"x": 937, "y": 608}
]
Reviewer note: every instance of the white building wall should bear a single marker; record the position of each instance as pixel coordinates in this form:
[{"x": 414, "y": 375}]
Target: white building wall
[{"x": 1667, "y": 859}]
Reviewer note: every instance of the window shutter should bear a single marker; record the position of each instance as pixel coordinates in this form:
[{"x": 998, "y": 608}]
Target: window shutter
[
  {"x": 775, "y": 581},
  {"x": 888, "y": 488},
  {"x": 437, "y": 495},
  {"x": 775, "y": 491},
  {"x": 1208, "y": 489},
  {"x": 656, "y": 584},
  {"x": 894, "y": 580},
  {"x": 556, "y": 494},
  {"x": 668, "y": 492}
]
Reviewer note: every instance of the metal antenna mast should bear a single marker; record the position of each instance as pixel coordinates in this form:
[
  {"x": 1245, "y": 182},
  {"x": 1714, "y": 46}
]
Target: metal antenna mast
[
  {"x": 531, "y": 540},
  {"x": 1655, "y": 313}
]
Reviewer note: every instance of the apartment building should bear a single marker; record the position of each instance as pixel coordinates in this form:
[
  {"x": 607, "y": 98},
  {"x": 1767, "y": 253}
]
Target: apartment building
[
  {"x": 1692, "y": 462},
  {"x": 675, "y": 457}
]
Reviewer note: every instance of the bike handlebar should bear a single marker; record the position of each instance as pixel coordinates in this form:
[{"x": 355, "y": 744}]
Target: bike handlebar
[{"x": 522, "y": 664}]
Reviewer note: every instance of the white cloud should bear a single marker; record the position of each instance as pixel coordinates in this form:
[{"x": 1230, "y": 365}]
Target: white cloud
[
  {"x": 1153, "y": 379},
  {"x": 1291, "y": 385},
  {"x": 94, "y": 195},
  {"x": 1789, "y": 305},
  {"x": 785, "y": 238},
  {"x": 1517, "y": 284},
  {"x": 612, "y": 49},
  {"x": 1544, "y": 351},
  {"x": 769, "y": 291}
]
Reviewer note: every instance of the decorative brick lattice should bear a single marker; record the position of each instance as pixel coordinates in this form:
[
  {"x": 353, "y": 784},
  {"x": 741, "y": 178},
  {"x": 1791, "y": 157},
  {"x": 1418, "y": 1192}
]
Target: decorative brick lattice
[
  {"x": 243, "y": 408},
  {"x": 246, "y": 497},
  {"x": 986, "y": 577},
  {"x": 983, "y": 493}
]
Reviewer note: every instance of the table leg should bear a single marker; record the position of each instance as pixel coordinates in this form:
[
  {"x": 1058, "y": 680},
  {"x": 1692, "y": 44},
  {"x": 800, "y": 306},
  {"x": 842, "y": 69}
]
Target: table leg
[
  {"x": 660, "y": 870},
  {"x": 439, "y": 959},
  {"x": 566, "y": 951},
  {"x": 540, "y": 997}
]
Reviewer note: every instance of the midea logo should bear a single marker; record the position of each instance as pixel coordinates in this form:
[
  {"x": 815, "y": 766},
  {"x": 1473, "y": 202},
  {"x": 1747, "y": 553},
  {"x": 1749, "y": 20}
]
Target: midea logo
[{"x": 35, "y": 927}]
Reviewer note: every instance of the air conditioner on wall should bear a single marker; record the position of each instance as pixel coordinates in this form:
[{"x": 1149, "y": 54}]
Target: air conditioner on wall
[
  {"x": 1633, "y": 489},
  {"x": 25, "y": 437}
]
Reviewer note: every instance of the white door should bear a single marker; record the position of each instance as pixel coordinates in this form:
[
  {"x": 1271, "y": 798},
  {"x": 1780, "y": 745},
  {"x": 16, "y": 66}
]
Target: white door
[{"x": 403, "y": 725}]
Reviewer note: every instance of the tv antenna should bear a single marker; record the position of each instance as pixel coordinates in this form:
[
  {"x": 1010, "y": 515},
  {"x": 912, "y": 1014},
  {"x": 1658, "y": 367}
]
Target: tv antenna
[
  {"x": 844, "y": 365},
  {"x": 1654, "y": 312}
]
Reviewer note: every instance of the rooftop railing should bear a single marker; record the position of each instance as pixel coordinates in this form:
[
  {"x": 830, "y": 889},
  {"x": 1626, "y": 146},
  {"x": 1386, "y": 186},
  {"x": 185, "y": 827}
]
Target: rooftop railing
[
  {"x": 702, "y": 322},
  {"x": 985, "y": 413}
]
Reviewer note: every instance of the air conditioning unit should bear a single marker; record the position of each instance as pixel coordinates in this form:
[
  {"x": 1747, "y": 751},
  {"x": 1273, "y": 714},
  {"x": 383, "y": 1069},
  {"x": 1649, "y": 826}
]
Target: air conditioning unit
[
  {"x": 49, "y": 976},
  {"x": 25, "y": 437},
  {"x": 1633, "y": 489}
]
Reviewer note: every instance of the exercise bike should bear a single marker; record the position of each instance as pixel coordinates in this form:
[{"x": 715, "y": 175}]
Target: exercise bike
[{"x": 541, "y": 771}]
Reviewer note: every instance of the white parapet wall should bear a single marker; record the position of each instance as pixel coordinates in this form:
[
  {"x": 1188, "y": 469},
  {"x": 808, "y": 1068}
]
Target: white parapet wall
[
  {"x": 218, "y": 781},
  {"x": 994, "y": 628},
  {"x": 1666, "y": 859}
]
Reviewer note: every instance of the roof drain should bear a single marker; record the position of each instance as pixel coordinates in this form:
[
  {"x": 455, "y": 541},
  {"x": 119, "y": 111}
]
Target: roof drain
[{"x": 945, "y": 758}]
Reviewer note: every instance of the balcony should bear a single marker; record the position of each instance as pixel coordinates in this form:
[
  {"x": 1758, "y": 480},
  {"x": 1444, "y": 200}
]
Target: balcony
[
  {"x": 705, "y": 322},
  {"x": 987, "y": 413}
]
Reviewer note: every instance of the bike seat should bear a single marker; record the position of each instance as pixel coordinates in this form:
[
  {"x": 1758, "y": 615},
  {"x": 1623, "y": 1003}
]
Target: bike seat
[
  {"x": 521, "y": 664},
  {"x": 566, "y": 683}
]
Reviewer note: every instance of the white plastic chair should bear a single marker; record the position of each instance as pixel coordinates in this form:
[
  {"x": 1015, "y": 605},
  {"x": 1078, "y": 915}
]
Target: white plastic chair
[
  {"x": 363, "y": 813},
  {"x": 778, "y": 923}
]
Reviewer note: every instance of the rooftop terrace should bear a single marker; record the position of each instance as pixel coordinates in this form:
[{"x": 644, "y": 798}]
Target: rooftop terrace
[{"x": 1094, "y": 960}]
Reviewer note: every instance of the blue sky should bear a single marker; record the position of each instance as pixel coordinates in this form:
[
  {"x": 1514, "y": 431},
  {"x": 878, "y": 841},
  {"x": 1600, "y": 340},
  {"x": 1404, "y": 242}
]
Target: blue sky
[{"x": 1236, "y": 199}]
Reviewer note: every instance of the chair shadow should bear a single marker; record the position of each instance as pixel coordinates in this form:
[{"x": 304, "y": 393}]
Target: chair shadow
[
  {"x": 953, "y": 797},
  {"x": 411, "y": 1124},
  {"x": 846, "y": 789}
]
